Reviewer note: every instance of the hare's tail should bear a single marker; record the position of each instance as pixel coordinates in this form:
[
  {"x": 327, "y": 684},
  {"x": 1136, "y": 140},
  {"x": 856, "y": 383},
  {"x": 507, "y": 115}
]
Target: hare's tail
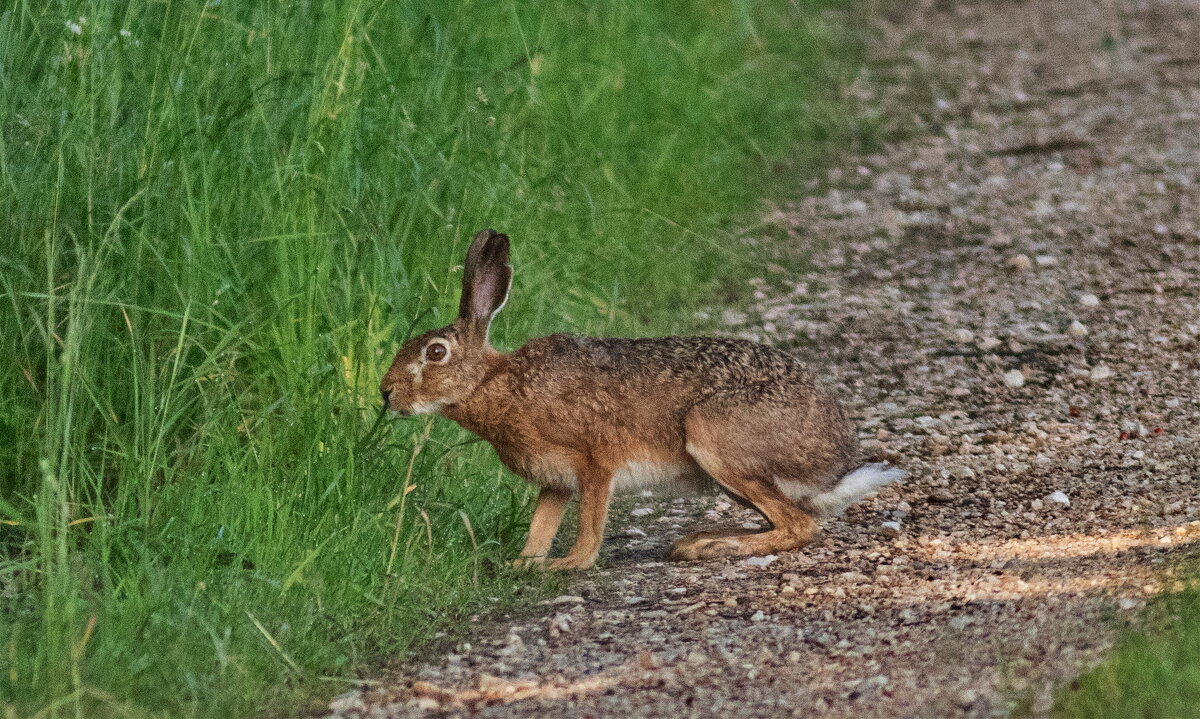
[{"x": 853, "y": 487}]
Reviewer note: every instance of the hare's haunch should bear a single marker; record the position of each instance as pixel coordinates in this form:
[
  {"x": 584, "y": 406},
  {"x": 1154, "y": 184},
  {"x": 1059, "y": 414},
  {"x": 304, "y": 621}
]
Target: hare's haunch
[{"x": 584, "y": 415}]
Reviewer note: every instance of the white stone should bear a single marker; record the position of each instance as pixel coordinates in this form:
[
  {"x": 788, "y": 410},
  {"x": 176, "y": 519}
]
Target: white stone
[
  {"x": 962, "y": 471},
  {"x": 1077, "y": 329},
  {"x": 513, "y": 645},
  {"x": 562, "y": 622},
  {"x": 1089, "y": 300},
  {"x": 1014, "y": 378},
  {"x": 890, "y": 529},
  {"x": 347, "y": 702},
  {"x": 642, "y": 511},
  {"x": 1100, "y": 373},
  {"x": 760, "y": 561},
  {"x": 967, "y": 697},
  {"x": 1059, "y": 498},
  {"x": 871, "y": 684}
]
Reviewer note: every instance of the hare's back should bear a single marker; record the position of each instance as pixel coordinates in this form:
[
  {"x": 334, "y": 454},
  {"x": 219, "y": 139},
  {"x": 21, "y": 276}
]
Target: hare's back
[{"x": 662, "y": 376}]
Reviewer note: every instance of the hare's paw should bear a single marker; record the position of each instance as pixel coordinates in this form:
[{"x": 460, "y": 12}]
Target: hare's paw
[
  {"x": 708, "y": 544},
  {"x": 569, "y": 562},
  {"x": 704, "y": 547},
  {"x": 528, "y": 562}
]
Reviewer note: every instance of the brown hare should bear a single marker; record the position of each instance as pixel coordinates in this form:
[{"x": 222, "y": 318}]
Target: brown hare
[{"x": 584, "y": 415}]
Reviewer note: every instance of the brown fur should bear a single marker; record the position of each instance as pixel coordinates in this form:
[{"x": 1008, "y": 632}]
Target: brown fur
[{"x": 576, "y": 414}]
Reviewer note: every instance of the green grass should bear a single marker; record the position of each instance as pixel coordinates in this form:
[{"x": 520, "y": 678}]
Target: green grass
[
  {"x": 218, "y": 220},
  {"x": 1153, "y": 673}
]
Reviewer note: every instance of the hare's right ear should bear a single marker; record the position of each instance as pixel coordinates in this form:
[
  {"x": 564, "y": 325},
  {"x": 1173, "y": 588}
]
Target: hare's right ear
[{"x": 486, "y": 279}]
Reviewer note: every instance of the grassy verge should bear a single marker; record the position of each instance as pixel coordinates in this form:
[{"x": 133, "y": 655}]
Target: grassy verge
[
  {"x": 1152, "y": 674},
  {"x": 216, "y": 221}
]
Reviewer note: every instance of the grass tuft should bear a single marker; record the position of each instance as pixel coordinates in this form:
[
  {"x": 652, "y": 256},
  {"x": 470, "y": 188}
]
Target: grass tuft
[{"x": 1153, "y": 673}]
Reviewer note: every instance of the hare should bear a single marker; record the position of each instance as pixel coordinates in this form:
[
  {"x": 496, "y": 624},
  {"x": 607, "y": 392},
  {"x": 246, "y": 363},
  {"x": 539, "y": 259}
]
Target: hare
[{"x": 585, "y": 415}]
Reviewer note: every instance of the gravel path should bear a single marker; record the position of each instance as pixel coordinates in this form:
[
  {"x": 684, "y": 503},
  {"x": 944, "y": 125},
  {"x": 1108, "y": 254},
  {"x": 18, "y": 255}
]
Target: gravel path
[{"x": 1010, "y": 299}]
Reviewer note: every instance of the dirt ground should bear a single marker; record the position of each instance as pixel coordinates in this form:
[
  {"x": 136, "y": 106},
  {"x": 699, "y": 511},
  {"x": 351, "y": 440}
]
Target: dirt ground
[{"x": 1008, "y": 296}]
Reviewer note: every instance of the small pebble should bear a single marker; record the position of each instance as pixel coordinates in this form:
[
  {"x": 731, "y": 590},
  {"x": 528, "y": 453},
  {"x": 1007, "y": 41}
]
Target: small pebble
[
  {"x": 1089, "y": 300},
  {"x": 1020, "y": 263},
  {"x": 760, "y": 561},
  {"x": 561, "y": 623},
  {"x": 1014, "y": 378},
  {"x": 1059, "y": 498},
  {"x": 351, "y": 701},
  {"x": 967, "y": 697}
]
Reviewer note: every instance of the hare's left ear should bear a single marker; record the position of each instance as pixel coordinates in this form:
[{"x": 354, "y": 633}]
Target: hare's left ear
[{"x": 487, "y": 277}]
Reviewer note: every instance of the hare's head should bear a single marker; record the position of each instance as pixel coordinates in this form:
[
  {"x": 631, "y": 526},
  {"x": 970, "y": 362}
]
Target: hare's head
[{"x": 444, "y": 366}]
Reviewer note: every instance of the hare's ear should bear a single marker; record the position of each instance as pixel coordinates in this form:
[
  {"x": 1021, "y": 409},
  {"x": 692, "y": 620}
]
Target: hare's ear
[{"x": 486, "y": 279}]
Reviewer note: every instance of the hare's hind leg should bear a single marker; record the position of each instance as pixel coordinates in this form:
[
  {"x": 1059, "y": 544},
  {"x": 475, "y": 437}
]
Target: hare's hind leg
[
  {"x": 791, "y": 527},
  {"x": 722, "y": 443}
]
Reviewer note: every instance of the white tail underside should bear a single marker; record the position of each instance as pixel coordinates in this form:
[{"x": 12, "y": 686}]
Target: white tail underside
[{"x": 851, "y": 488}]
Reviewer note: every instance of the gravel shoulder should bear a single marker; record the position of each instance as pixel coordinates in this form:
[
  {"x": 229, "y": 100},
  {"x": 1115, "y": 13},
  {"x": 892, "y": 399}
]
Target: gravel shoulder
[{"x": 1009, "y": 298}]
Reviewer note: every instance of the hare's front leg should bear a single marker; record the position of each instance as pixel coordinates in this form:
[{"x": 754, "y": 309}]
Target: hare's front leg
[
  {"x": 547, "y": 515},
  {"x": 595, "y": 490}
]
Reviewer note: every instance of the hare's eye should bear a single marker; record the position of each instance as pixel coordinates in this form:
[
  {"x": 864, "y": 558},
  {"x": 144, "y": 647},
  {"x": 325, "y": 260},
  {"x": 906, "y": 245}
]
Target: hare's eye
[{"x": 437, "y": 352}]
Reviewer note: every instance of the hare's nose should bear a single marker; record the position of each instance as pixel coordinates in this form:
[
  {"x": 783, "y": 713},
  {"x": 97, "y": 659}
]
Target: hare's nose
[{"x": 386, "y": 393}]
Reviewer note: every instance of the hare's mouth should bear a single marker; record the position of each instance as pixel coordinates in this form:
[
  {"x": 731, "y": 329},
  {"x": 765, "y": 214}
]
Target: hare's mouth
[
  {"x": 426, "y": 407},
  {"x": 416, "y": 408}
]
